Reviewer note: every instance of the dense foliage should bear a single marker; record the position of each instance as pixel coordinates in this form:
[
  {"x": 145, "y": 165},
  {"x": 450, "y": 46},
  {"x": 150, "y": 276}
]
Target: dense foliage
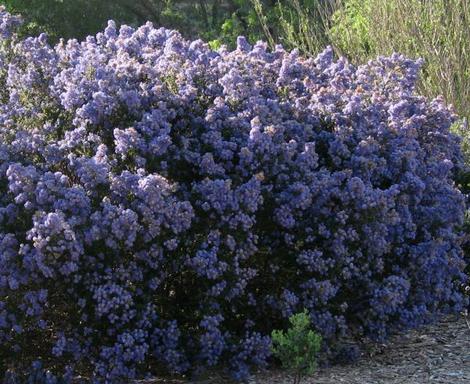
[{"x": 163, "y": 205}]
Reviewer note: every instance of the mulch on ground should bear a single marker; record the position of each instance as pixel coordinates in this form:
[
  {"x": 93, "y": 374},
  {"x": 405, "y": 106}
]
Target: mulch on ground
[{"x": 438, "y": 353}]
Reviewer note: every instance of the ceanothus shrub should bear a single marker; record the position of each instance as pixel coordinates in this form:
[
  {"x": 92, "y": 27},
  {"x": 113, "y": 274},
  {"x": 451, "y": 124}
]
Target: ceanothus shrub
[{"x": 164, "y": 207}]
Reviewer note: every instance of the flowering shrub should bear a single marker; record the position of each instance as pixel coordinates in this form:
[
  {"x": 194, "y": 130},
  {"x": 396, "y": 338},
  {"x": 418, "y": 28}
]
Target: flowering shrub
[{"x": 163, "y": 205}]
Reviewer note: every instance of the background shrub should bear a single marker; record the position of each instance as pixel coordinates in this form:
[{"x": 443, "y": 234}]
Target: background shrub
[
  {"x": 220, "y": 21},
  {"x": 163, "y": 205},
  {"x": 210, "y": 19},
  {"x": 297, "y": 23}
]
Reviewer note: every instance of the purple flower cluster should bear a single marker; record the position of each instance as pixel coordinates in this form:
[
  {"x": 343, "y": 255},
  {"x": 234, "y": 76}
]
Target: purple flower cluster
[{"x": 166, "y": 205}]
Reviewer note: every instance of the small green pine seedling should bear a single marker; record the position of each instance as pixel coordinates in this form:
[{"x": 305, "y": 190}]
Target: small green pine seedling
[{"x": 297, "y": 348}]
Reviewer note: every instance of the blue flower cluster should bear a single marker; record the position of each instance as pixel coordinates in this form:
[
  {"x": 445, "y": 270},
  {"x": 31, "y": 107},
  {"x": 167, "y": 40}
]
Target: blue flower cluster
[{"x": 163, "y": 205}]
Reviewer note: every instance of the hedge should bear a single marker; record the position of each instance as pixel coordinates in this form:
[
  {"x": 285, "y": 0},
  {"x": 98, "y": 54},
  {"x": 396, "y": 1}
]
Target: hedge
[{"x": 164, "y": 206}]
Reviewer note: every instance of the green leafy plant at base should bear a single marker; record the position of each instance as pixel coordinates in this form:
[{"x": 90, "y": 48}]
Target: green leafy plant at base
[{"x": 297, "y": 348}]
